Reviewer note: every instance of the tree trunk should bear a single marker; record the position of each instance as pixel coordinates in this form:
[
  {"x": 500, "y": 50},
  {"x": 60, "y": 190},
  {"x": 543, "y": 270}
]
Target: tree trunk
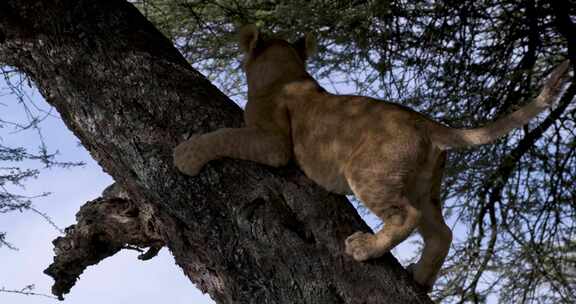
[{"x": 242, "y": 232}]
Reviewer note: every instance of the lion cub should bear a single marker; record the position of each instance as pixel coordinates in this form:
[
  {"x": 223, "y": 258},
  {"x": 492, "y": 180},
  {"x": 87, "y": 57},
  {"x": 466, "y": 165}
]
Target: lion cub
[{"x": 389, "y": 156}]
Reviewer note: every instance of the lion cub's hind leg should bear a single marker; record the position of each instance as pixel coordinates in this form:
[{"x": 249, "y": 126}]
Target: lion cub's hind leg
[
  {"x": 436, "y": 234},
  {"x": 400, "y": 220},
  {"x": 381, "y": 173},
  {"x": 383, "y": 196},
  {"x": 437, "y": 239}
]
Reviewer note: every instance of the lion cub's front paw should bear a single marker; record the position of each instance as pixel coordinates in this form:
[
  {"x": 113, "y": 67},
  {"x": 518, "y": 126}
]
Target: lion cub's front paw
[
  {"x": 362, "y": 246},
  {"x": 187, "y": 158}
]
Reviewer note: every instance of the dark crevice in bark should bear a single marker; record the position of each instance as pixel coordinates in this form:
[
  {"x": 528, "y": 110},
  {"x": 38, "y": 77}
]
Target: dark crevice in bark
[
  {"x": 291, "y": 222},
  {"x": 338, "y": 299}
]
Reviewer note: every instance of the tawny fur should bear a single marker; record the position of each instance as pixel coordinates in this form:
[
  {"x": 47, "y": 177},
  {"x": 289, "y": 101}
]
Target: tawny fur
[{"x": 389, "y": 156}]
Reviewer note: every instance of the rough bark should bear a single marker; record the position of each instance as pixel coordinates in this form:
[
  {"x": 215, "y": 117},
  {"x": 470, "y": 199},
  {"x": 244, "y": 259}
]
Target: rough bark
[{"x": 244, "y": 233}]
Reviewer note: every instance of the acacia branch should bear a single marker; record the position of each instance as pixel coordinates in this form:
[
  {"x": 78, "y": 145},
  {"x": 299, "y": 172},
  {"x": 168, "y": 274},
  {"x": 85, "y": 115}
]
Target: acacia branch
[
  {"x": 561, "y": 10},
  {"x": 26, "y": 291}
]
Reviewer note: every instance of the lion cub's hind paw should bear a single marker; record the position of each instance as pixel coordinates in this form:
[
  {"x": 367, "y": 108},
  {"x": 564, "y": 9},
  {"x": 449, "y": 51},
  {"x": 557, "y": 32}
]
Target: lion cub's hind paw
[{"x": 362, "y": 246}]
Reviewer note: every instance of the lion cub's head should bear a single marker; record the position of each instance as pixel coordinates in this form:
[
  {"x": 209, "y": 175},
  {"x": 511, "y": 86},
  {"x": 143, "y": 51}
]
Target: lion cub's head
[{"x": 269, "y": 60}]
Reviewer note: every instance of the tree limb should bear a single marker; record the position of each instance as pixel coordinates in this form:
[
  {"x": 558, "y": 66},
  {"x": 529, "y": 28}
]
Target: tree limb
[{"x": 242, "y": 232}]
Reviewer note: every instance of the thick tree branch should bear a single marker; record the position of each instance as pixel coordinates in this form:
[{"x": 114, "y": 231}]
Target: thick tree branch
[{"x": 241, "y": 232}]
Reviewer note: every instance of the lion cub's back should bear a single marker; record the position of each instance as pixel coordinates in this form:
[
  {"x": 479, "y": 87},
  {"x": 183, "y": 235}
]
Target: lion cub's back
[{"x": 328, "y": 129}]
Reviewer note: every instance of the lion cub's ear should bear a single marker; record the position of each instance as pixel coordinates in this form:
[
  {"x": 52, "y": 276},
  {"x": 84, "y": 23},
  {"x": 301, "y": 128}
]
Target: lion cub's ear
[
  {"x": 249, "y": 36},
  {"x": 306, "y": 46}
]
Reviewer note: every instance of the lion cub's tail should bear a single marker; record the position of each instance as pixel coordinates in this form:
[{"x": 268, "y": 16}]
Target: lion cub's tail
[{"x": 448, "y": 138}]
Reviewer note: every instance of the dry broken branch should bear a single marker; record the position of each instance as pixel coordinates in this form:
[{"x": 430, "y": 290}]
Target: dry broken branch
[{"x": 105, "y": 226}]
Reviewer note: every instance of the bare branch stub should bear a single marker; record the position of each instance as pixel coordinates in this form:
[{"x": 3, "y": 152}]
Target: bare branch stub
[{"x": 105, "y": 226}]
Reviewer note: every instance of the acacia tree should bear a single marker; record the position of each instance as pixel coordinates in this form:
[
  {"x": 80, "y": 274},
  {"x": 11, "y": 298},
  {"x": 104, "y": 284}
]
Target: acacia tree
[
  {"x": 241, "y": 232},
  {"x": 463, "y": 62}
]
